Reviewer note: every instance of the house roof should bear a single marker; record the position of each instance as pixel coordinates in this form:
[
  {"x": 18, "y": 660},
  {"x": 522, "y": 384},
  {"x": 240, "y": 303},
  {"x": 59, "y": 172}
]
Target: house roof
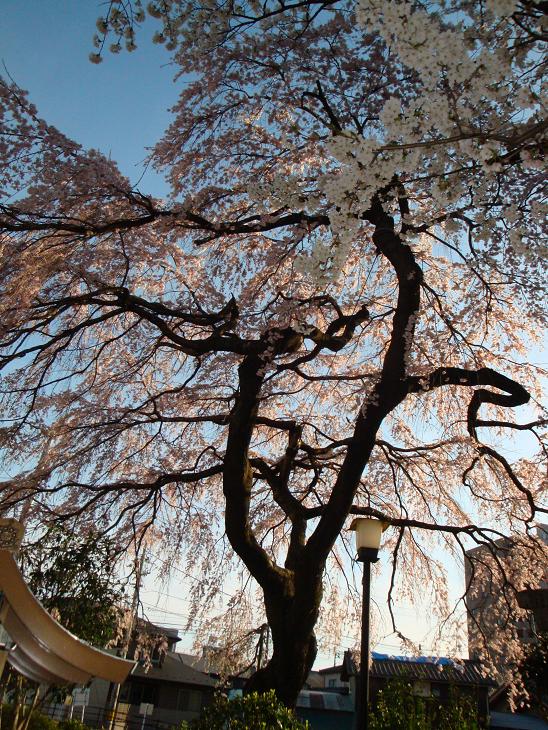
[
  {"x": 314, "y": 680},
  {"x": 147, "y": 627},
  {"x": 204, "y": 663},
  {"x": 336, "y": 669},
  {"x": 175, "y": 669},
  {"x": 463, "y": 672},
  {"x": 210, "y": 662},
  {"x": 516, "y": 721},
  {"x": 434, "y": 669}
]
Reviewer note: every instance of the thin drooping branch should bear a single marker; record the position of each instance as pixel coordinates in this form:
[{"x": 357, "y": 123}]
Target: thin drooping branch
[{"x": 533, "y": 507}]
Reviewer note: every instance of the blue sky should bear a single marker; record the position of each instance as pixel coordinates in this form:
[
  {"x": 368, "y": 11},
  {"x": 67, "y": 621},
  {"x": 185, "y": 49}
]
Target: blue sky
[{"x": 119, "y": 106}]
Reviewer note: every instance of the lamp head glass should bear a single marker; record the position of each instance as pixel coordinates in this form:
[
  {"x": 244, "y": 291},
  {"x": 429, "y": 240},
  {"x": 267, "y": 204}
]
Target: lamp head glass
[{"x": 368, "y": 534}]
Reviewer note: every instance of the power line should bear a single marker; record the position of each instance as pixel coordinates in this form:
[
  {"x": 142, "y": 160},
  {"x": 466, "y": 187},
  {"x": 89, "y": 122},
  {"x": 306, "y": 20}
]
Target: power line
[
  {"x": 164, "y": 610},
  {"x": 187, "y": 575},
  {"x": 164, "y": 594},
  {"x": 338, "y": 647},
  {"x": 181, "y": 625}
]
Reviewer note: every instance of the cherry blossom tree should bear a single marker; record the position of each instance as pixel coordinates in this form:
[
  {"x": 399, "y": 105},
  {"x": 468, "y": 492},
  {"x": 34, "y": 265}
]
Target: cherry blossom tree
[{"x": 330, "y": 315}]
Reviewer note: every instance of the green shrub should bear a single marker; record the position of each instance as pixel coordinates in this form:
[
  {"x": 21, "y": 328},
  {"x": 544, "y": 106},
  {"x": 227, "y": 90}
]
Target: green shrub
[
  {"x": 397, "y": 708},
  {"x": 73, "y": 724},
  {"x": 250, "y": 712},
  {"x": 38, "y": 721}
]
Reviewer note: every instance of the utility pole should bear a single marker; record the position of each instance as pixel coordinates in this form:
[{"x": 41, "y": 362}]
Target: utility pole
[
  {"x": 129, "y": 631},
  {"x": 260, "y": 656},
  {"x": 264, "y": 632}
]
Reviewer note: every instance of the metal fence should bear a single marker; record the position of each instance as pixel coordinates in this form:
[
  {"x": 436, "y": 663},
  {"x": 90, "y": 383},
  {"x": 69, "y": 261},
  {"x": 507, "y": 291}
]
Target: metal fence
[{"x": 101, "y": 718}]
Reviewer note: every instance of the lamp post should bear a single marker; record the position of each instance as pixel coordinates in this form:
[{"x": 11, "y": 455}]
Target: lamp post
[{"x": 368, "y": 539}]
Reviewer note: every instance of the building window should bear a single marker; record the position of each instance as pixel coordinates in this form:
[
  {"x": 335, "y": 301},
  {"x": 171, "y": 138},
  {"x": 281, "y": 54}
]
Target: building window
[
  {"x": 331, "y": 683},
  {"x": 142, "y": 692},
  {"x": 189, "y": 700},
  {"x": 421, "y": 688}
]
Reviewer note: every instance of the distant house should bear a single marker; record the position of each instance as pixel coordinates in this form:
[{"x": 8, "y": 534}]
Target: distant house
[
  {"x": 429, "y": 677},
  {"x": 176, "y": 691},
  {"x": 162, "y": 679},
  {"x": 314, "y": 681},
  {"x": 326, "y": 710},
  {"x": 486, "y": 605},
  {"x": 332, "y": 678},
  {"x": 435, "y": 677}
]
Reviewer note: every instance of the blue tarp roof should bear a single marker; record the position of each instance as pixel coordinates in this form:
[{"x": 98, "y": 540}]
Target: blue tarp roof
[
  {"x": 516, "y": 721},
  {"x": 442, "y": 660},
  {"x": 432, "y": 668}
]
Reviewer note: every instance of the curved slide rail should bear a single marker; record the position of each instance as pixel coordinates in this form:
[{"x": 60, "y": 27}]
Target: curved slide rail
[{"x": 45, "y": 651}]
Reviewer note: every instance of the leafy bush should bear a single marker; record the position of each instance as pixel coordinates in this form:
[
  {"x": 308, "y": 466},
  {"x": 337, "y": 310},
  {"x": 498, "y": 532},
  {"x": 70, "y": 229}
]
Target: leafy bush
[
  {"x": 397, "y": 708},
  {"x": 534, "y": 671},
  {"x": 257, "y": 711},
  {"x": 72, "y": 724},
  {"x": 38, "y": 721}
]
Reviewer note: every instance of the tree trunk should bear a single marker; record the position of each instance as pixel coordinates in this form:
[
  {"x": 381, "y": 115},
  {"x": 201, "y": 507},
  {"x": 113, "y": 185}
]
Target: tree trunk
[{"x": 291, "y": 618}]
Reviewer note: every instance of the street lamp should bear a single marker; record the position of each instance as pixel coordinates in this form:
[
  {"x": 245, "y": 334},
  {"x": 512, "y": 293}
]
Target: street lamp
[{"x": 368, "y": 539}]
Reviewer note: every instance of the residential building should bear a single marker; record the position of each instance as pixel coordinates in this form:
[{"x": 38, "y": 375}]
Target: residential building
[
  {"x": 436, "y": 677},
  {"x": 430, "y": 677},
  {"x": 176, "y": 691},
  {"x": 489, "y": 612},
  {"x": 162, "y": 679},
  {"x": 326, "y": 710},
  {"x": 332, "y": 678}
]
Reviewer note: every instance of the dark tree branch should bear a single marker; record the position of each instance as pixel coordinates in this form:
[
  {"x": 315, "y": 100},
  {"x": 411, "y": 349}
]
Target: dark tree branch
[{"x": 516, "y": 395}]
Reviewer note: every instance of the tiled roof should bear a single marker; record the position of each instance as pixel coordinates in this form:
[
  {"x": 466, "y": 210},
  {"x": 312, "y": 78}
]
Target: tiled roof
[
  {"x": 463, "y": 672},
  {"x": 174, "y": 669},
  {"x": 438, "y": 669},
  {"x": 331, "y": 670}
]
